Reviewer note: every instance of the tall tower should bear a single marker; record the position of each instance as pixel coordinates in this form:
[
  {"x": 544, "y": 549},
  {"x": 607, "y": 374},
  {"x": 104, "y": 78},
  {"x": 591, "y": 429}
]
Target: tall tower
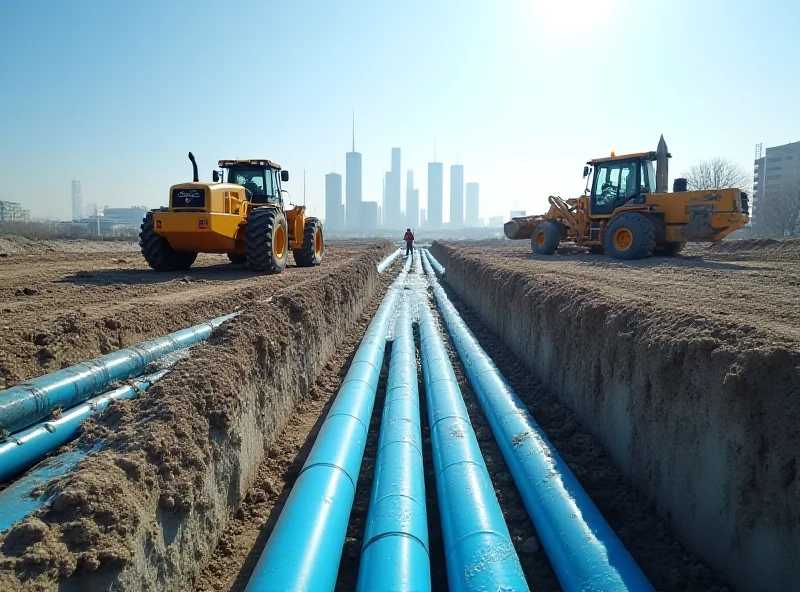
[
  {"x": 412, "y": 202},
  {"x": 457, "y": 196},
  {"x": 334, "y": 220},
  {"x": 471, "y": 219},
  {"x": 77, "y": 200},
  {"x": 353, "y": 185},
  {"x": 435, "y": 190}
]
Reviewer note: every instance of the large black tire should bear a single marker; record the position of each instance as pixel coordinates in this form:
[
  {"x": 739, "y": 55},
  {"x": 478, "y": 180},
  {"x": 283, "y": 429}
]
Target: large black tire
[
  {"x": 630, "y": 236},
  {"x": 545, "y": 238},
  {"x": 669, "y": 250},
  {"x": 313, "y": 248},
  {"x": 266, "y": 242},
  {"x": 158, "y": 253},
  {"x": 237, "y": 258}
]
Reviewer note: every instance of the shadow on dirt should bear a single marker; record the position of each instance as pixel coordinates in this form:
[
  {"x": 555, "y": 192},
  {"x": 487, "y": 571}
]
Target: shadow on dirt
[{"x": 227, "y": 272}]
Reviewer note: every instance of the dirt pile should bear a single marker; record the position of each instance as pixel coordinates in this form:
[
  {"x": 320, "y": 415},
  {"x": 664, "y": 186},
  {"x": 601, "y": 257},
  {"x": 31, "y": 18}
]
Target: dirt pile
[
  {"x": 56, "y": 310},
  {"x": 757, "y": 249},
  {"x": 145, "y": 513},
  {"x": 698, "y": 412},
  {"x": 11, "y": 244}
]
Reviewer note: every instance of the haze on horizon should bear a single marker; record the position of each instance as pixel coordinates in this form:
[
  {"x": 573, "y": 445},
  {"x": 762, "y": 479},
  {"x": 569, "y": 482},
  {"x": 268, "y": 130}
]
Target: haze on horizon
[{"x": 116, "y": 94}]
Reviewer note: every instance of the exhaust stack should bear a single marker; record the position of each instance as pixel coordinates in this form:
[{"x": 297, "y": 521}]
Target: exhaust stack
[
  {"x": 662, "y": 167},
  {"x": 195, "y": 177}
]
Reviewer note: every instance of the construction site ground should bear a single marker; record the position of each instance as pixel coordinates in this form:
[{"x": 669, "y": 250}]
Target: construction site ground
[{"x": 694, "y": 340}]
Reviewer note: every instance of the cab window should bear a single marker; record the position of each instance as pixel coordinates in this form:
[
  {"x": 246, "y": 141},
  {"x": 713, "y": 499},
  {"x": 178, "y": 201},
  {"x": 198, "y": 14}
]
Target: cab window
[{"x": 615, "y": 183}]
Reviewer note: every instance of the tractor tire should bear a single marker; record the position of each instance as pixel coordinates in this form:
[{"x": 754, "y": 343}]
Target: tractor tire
[
  {"x": 157, "y": 251},
  {"x": 630, "y": 236},
  {"x": 545, "y": 238},
  {"x": 266, "y": 241},
  {"x": 669, "y": 250},
  {"x": 313, "y": 248},
  {"x": 237, "y": 258}
]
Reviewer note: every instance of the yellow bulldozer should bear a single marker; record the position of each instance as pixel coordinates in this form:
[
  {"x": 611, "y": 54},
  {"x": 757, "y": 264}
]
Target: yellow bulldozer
[
  {"x": 627, "y": 213},
  {"x": 240, "y": 213}
]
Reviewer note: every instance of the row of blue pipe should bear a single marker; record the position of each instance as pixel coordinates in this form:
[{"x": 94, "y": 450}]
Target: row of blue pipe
[
  {"x": 25, "y": 404},
  {"x": 479, "y": 552},
  {"x": 384, "y": 265},
  {"x": 437, "y": 267},
  {"x": 583, "y": 550},
  {"x": 397, "y": 524},
  {"x": 26, "y": 448},
  {"x": 305, "y": 548}
]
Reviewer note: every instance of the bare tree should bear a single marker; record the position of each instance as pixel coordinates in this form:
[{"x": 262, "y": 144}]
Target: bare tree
[
  {"x": 779, "y": 212},
  {"x": 717, "y": 173}
]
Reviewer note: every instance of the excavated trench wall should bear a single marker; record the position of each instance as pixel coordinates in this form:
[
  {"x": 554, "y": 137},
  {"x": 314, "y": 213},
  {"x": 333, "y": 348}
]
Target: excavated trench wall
[
  {"x": 147, "y": 511},
  {"x": 706, "y": 427}
]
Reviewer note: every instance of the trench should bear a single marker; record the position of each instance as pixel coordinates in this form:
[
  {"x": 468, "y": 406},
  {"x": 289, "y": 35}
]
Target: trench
[{"x": 677, "y": 438}]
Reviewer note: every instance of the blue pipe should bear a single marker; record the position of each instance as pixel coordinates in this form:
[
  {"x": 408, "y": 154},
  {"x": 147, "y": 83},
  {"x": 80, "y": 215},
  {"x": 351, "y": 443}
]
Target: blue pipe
[
  {"x": 477, "y": 545},
  {"x": 384, "y": 265},
  {"x": 26, "y": 448},
  {"x": 584, "y": 551},
  {"x": 434, "y": 263},
  {"x": 306, "y": 544},
  {"x": 19, "y": 499},
  {"x": 395, "y": 553},
  {"x": 25, "y": 404}
]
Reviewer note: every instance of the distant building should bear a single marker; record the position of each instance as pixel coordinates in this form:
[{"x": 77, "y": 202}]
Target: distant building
[
  {"x": 370, "y": 213},
  {"x": 131, "y": 216},
  {"x": 423, "y": 218},
  {"x": 471, "y": 219},
  {"x": 77, "y": 200},
  {"x": 777, "y": 170},
  {"x": 412, "y": 202},
  {"x": 496, "y": 222},
  {"x": 11, "y": 211},
  {"x": 481, "y": 222},
  {"x": 392, "y": 208},
  {"x": 435, "y": 199},
  {"x": 353, "y": 186},
  {"x": 456, "y": 196},
  {"x": 334, "y": 211}
]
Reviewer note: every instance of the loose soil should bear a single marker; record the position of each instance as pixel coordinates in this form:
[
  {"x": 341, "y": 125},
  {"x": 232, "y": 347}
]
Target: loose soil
[
  {"x": 148, "y": 510},
  {"x": 58, "y": 309}
]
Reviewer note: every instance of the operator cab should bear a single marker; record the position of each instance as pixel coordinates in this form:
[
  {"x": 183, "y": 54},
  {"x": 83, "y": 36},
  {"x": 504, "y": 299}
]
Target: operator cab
[
  {"x": 261, "y": 179},
  {"x": 619, "y": 180}
]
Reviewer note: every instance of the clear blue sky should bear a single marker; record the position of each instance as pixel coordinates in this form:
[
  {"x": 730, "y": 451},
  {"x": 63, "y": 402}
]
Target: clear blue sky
[{"x": 521, "y": 92}]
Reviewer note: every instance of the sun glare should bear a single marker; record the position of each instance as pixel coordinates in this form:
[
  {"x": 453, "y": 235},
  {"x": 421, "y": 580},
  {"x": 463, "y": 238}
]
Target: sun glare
[{"x": 570, "y": 17}]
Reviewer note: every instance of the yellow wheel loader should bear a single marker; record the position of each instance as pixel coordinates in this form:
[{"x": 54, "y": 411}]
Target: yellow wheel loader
[
  {"x": 627, "y": 213},
  {"x": 243, "y": 217}
]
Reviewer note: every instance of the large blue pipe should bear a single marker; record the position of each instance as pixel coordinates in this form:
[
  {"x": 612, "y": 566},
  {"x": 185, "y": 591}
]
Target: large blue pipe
[
  {"x": 584, "y": 551},
  {"x": 25, "y": 404},
  {"x": 477, "y": 545},
  {"x": 26, "y": 448},
  {"x": 395, "y": 553},
  {"x": 384, "y": 265},
  {"x": 305, "y": 547},
  {"x": 434, "y": 263}
]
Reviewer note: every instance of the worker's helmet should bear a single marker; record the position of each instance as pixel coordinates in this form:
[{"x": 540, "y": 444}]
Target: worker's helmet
[{"x": 408, "y": 230}]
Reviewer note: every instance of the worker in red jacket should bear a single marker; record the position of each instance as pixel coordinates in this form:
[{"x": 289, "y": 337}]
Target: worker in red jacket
[{"x": 409, "y": 238}]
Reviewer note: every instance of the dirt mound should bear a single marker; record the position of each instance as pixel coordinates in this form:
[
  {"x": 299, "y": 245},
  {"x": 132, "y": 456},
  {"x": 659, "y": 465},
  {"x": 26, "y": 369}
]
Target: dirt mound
[
  {"x": 696, "y": 408},
  {"x": 757, "y": 249},
  {"x": 11, "y": 245},
  {"x": 57, "y": 310},
  {"x": 144, "y": 513}
]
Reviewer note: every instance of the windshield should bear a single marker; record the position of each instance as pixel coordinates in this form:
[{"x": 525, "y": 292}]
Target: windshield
[
  {"x": 259, "y": 183},
  {"x": 649, "y": 176}
]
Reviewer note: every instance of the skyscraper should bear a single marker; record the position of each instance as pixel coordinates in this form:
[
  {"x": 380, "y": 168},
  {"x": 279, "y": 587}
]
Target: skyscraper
[
  {"x": 77, "y": 200},
  {"x": 333, "y": 202},
  {"x": 457, "y": 196},
  {"x": 353, "y": 186},
  {"x": 471, "y": 214},
  {"x": 435, "y": 189},
  {"x": 412, "y": 202},
  {"x": 392, "y": 209}
]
